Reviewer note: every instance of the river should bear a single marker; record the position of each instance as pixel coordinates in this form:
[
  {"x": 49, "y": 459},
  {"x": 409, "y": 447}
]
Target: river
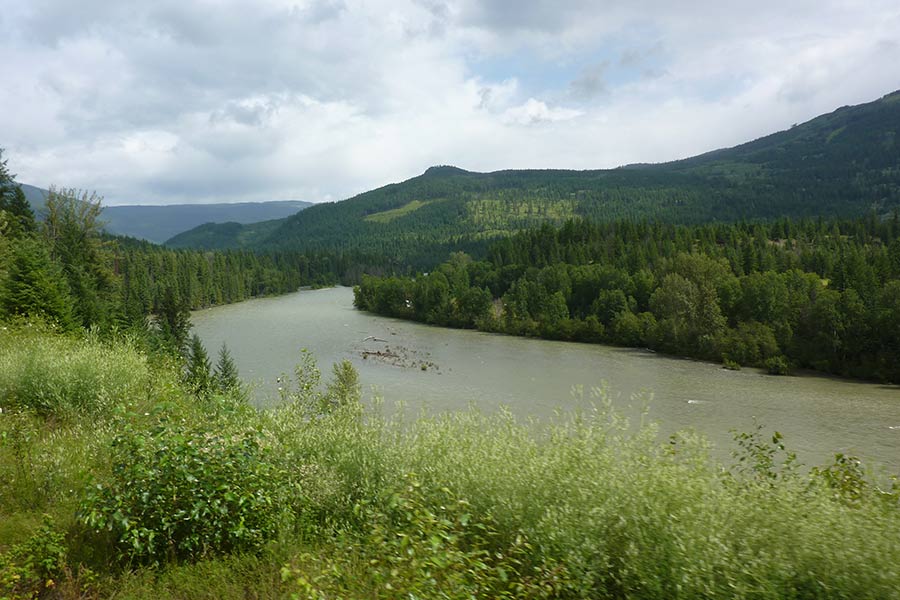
[{"x": 436, "y": 369}]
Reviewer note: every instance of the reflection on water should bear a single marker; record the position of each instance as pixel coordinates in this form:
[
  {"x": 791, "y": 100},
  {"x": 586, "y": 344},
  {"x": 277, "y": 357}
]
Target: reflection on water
[{"x": 440, "y": 369}]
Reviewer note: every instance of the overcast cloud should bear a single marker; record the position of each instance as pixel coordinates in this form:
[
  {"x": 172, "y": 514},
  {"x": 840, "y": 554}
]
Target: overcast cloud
[{"x": 165, "y": 101}]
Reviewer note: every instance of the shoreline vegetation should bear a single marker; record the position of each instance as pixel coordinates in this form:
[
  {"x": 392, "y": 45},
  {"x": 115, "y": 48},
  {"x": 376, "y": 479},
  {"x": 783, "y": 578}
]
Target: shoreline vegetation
[
  {"x": 122, "y": 477},
  {"x": 819, "y": 295}
]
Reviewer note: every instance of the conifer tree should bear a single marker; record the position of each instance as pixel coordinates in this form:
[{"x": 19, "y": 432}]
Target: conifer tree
[
  {"x": 226, "y": 373},
  {"x": 198, "y": 374},
  {"x": 174, "y": 319},
  {"x": 19, "y": 216}
]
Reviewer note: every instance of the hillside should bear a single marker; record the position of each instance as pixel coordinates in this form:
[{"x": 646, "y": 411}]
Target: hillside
[
  {"x": 842, "y": 164},
  {"x": 157, "y": 223}
]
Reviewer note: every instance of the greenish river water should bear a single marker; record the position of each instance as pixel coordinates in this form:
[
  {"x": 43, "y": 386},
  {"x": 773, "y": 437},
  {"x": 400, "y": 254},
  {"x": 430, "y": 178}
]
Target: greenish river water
[{"x": 818, "y": 416}]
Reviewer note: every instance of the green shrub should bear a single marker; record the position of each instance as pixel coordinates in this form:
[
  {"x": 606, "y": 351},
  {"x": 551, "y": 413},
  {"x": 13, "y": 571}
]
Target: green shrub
[
  {"x": 845, "y": 478},
  {"x": 777, "y": 365},
  {"x": 181, "y": 493},
  {"x": 34, "y": 566},
  {"x": 730, "y": 365}
]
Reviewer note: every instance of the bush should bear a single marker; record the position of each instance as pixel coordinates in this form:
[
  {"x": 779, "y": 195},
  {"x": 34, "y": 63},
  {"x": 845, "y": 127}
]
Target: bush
[
  {"x": 180, "y": 494},
  {"x": 34, "y": 566},
  {"x": 777, "y": 365},
  {"x": 730, "y": 365}
]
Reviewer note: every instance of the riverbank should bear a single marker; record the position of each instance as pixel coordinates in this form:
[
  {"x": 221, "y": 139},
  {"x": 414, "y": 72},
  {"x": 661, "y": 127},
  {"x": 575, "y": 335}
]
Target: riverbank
[{"x": 154, "y": 492}]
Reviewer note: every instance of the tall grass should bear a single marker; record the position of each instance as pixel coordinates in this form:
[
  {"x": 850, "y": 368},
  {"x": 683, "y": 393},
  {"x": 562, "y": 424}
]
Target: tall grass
[
  {"x": 612, "y": 512},
  {"x": 69, "y": 377}
]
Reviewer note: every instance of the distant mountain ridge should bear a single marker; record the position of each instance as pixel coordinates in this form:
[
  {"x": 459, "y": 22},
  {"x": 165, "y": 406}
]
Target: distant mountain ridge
[
  {"x": 158, "y": 223},
  {"x": 845, "y": 163}
]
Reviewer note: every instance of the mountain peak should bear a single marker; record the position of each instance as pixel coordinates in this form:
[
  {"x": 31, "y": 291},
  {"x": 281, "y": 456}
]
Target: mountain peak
[{"x": 444, "y": 170}]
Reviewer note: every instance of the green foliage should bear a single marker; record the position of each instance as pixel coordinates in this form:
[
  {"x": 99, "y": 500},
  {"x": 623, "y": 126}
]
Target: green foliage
[
  {"x": 777, "y": 365},
  {"x": 69, "y": 377},
  {"x": 389, "y": 215},
  {"x": 69, "y": 271},
  {"x": 35, "y": 286},
  {"x": 72, "y": 230},
  {"x": 181, "y": 493},
  {"x": 846, "y": 478},
  {"x": 758, "y": 458},
  {"x": 344, "y": 389},
  {"x": 200, "y": 499},
  {"x": 19, "y": 216},
  {"x": 198, "y": 372},
  {"x": 588, "y": 508},
  {"x": 19, "y": 439},
  {"x": 341, "y": 395},
  {"x": 33, "y": 568},
  {"x": 821, "y": 295},
  {"x": 730, "y": 365},
  {"x": 225, "y": 376},
  {"x": 415, "y": 548},
  {"x": 173, "y": 320}
]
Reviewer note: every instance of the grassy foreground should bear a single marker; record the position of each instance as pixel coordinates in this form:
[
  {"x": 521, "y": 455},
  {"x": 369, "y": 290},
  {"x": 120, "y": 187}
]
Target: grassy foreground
[{"x": 117, "y": 481}]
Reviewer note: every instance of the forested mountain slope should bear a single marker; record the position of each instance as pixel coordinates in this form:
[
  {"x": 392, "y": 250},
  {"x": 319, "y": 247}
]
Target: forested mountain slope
[{"x": 846, "y": 163}]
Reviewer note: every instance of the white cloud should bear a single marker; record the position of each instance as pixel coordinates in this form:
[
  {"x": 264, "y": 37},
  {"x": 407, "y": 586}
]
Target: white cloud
[
  {"x": 179, "y": 101},
  {"x": 536, "y": 111}
]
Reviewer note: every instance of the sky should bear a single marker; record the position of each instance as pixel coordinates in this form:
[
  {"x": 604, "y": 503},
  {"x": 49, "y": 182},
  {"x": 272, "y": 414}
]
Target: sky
[{"x": 190, "y": 101}]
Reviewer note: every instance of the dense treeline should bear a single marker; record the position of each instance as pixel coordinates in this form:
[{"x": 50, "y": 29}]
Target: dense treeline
[
  {"x": 200, "y": 279},
  {"x": 65, "y": 269},
  {"x": 814, "y": 294}
]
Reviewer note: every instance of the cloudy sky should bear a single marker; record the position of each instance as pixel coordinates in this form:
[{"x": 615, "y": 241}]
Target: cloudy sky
[{"x": 164, "y": 101}]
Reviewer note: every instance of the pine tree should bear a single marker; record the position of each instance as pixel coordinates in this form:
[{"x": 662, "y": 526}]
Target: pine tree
[
  {"x": 20, "y": 217},
  {"x": 198, "y": 374},
  {"x": 174, "y": 319},
  {"x": 226, "y": 373}
]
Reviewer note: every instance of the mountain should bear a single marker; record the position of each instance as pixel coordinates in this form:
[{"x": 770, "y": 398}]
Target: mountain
[
  {"x": 159, "y": 223},
  {"x": 845, "y": 163},
  {"x": 36, "y": 197}
]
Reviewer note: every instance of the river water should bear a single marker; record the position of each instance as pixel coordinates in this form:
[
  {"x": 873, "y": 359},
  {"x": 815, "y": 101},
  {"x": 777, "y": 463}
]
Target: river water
[{"x": 435, "y": 369}]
